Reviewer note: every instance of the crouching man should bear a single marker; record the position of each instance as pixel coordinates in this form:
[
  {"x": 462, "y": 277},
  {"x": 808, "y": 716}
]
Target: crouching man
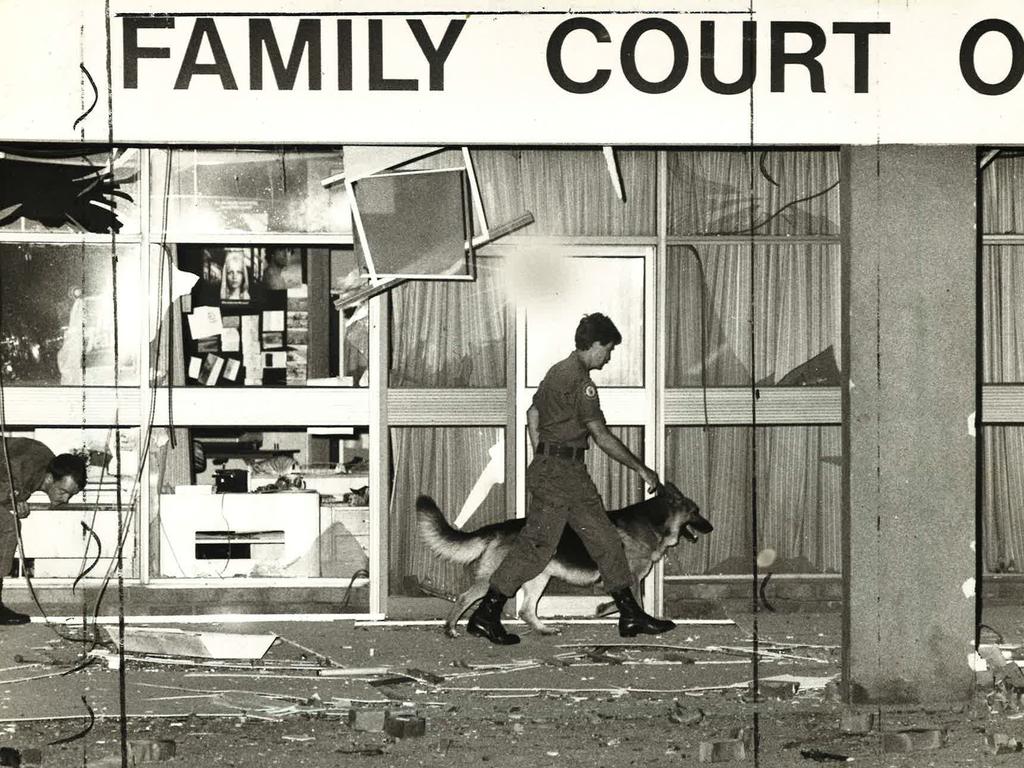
[{"x": 33, "y": 467}]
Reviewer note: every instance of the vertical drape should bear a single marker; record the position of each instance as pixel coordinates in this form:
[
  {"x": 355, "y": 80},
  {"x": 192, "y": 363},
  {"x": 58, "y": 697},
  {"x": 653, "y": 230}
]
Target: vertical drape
[
  {"x": 799, "y": 497},
  {"x": 1003, "y": 306},
  {"x": 796, "y": 310},
  {"x": 444, "y": 463},
  {"x": 760, "y": 192},
  {"x": 713, "y": 468},
  {"x": 799, "y": 484},
  {"x": 797, "y": 306},
  {"x": 726, "y": 307},
  {"x": 1003, "y": 363},
  {"x": 449, "y": 334},
  {"x": 1003, "y": 196},
  {"x": 568, "y": 191},
  {"x": 1003, "y": 503}
]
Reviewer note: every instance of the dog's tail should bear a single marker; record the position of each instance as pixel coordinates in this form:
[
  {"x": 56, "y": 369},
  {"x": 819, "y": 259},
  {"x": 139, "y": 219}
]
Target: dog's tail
[{"x": 451, "y": 544}]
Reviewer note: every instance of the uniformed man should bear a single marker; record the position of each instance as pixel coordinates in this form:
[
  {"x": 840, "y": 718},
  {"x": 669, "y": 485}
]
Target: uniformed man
[
  {"x": 33, "y": 467},
  {"x": 565, "y": 414}
]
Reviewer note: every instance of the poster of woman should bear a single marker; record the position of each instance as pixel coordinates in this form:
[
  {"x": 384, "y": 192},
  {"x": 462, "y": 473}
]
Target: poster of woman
[
  {"x": 234, "y": 285},
  {"x": 230, "y": 276}
]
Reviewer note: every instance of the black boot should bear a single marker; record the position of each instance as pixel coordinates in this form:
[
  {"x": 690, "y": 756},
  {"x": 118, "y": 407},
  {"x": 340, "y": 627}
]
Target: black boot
[
  {"x": 7, "y": 616},
  {"x": 486, "y": 619},
  {"x": 632, "y": 619}
]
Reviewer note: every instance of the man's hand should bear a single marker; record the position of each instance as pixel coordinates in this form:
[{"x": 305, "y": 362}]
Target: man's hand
[
  {"x": 651, "y": 479},
  {"x": 21, "y": 510}
]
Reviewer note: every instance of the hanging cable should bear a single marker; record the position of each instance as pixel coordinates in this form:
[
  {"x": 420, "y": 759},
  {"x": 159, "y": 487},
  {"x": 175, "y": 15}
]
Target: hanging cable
[{"x": 88, "y": 530}]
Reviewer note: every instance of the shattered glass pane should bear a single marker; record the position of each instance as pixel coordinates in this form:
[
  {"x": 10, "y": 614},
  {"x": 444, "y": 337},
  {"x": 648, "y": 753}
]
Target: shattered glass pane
[
  {"x": 69, "y": 191},
  {"x": 415, "y": 223},
  {"x": 222, "y": 191},
  {"x": 57, "y": 314}
]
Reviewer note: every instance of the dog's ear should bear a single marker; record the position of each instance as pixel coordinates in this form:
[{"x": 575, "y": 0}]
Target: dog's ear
[{"x": 673, "y": 493}]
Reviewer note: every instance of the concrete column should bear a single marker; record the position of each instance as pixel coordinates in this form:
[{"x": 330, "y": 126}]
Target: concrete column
[{"x": 909, "y": 348}]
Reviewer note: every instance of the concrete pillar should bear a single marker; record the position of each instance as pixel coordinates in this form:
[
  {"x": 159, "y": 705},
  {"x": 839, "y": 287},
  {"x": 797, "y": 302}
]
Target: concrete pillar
[{"x": 909, "y": 344}]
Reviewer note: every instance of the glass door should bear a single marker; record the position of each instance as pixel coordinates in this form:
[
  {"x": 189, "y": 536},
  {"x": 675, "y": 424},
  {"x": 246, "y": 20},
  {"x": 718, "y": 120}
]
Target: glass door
[{"x": 556, "y": 287}]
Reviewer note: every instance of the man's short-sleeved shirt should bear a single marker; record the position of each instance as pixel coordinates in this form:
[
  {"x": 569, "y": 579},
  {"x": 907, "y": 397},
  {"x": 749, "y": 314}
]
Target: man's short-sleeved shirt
[
  {"x": 566, "y": 400},
  {"x": 30, "y": 460}
]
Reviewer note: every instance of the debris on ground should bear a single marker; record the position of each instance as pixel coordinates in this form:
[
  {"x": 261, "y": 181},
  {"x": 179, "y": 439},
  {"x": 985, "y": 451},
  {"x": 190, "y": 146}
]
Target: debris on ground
[
  {"x": 367, "y": 719},
  {"x": 861, "y": 723},
  {"x": 683, "y": 715},
  {"x": 821, "y": 756},
  {"x": 914, "y": 740},
  {"x": 151, "y": 750},
  {"x": 1002, "y": 744},
  {"x": 168, "y": 641},
  {"x": 404, "y": 725},
  {"x": 722, "y": 751}
]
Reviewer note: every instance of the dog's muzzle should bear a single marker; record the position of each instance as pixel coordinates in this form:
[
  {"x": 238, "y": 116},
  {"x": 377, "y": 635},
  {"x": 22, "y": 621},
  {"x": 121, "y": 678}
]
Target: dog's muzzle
[{"x": 696, "y": 524}]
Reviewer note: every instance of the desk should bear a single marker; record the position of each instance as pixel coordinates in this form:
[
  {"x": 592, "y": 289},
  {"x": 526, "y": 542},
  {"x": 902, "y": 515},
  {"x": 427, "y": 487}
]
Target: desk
[{"x": 281, "y": 532}]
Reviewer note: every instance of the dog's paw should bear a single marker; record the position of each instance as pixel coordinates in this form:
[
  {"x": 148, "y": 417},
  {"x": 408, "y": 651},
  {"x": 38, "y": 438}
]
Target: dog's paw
[{"x": 450, "y": 630}]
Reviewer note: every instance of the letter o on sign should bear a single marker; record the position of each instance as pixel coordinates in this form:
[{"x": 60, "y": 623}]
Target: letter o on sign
[
  {"x": 970, "y": 43},
  {"x": 680, "y": 56}
]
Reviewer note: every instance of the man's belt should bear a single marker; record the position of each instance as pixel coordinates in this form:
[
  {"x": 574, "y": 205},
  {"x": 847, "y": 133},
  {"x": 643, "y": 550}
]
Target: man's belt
[{"x": 561, "y": 451}]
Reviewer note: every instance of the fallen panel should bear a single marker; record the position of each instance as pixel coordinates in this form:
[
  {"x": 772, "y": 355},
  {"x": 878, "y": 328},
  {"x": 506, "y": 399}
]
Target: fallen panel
[{"x": 206, "y": 645}]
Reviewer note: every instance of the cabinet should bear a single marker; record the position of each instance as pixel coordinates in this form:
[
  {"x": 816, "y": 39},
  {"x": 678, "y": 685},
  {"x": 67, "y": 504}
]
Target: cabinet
[
  {"x": 55, "y": 540},
  {"x": 240, "y": 534}
]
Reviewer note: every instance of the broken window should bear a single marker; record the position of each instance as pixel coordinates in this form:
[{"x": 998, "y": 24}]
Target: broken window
[
  {"x": 260, "y": 502},
  {"x": 209, "y": 192},
  {"x": 57, "y": 314},
  {"x": 69, "y": 190}
]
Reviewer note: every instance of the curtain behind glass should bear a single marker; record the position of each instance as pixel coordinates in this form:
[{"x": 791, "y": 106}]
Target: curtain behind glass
[
  {"x": 444, "y": 463},
  {"x": 759, "y": 192},
  {"x": 568, "y": 191},
  {"x": 1003, "y": 503},
  {"x": 799, "y": 488},
  {"x": 796, "y": 311},
  {"x": 449, "y": 334},
  {"x": 1003, "y": 305},
  {"x": 1003, "y": 195}
]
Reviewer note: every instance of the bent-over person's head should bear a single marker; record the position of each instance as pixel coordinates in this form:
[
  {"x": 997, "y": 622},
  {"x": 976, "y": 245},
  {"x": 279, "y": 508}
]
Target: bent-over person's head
[
  {"x": 596, "y": 337},
  {"x": 65, "y": 476}
]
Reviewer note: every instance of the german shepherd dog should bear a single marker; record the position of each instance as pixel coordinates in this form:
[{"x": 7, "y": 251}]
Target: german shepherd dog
[{"x": 648, "y": 530}]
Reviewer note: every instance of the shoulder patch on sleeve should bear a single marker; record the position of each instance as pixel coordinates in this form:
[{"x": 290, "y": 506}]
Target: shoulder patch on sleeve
[{"x": 590, "y": 391}]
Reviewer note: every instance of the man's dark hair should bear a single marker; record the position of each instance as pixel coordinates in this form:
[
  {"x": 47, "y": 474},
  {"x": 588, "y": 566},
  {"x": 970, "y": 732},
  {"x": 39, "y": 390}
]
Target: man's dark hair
[
  {"x": 68, "y": 465},
  {"x": 596, "y": 327}
]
